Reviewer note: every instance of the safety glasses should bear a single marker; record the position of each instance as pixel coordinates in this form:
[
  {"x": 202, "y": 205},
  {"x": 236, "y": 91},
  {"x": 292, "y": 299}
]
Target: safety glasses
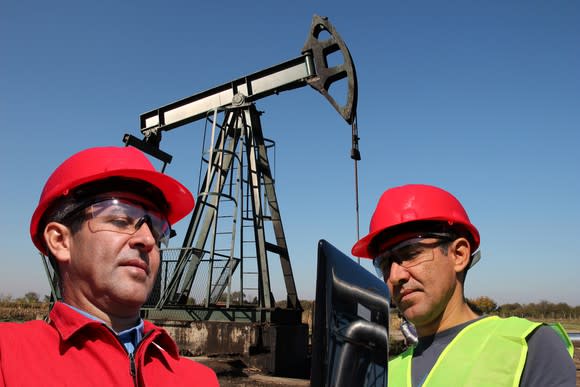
[
  {"x": 125, "y": 216},
  {"x": 409, "y": 253}
]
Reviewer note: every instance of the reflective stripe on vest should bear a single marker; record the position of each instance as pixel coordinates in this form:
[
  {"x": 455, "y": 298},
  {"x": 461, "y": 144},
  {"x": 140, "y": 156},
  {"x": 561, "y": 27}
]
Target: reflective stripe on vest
[{"x": 489, "y": 352}]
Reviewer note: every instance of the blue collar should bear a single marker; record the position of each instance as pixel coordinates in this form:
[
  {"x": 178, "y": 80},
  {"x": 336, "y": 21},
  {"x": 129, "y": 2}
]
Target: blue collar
[{"x": 129, "y": 337}]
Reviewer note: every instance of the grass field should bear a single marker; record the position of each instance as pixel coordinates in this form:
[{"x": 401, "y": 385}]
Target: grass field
[
  {"x": 23, "y": 312},
  {"x": 572, "y": 325},
  {"x": 16, "y": 311}
]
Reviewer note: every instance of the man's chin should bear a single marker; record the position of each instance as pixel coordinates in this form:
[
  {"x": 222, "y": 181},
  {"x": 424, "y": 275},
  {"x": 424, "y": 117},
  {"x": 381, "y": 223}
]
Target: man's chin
[
  {"x": 411, "y": 312},
  {"x": 132, "y": 299}
]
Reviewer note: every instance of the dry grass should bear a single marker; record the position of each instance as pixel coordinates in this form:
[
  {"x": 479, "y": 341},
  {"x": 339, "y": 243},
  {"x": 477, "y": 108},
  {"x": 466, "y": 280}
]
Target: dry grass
[{"x": 16, "y": 311}]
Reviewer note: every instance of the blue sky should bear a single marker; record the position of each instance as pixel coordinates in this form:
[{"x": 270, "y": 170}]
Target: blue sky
[{"x": 478, "y": 97}]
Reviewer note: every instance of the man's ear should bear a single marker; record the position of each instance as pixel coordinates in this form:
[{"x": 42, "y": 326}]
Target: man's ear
[
  {"x": 461, "y": 252},
  {"x": 57, "y": 237}
]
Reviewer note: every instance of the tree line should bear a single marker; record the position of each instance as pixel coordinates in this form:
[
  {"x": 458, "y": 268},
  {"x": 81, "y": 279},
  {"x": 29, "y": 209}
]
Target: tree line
[
  {"x": 29, "y": 298},
  {"x": 484, "y": 305},
  {"x": 539, "y": 310}
]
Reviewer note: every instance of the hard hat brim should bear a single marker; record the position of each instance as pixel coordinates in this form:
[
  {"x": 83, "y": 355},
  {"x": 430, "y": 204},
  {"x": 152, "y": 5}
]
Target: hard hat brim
[
  {"x": 178, "y": 197},
  {"x": 363, "y": 248}
]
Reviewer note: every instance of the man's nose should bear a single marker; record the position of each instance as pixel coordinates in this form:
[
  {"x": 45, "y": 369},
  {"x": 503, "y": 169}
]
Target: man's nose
[
  {"x": 143, "y": 236},
  {"x": 398, "y": 274}
]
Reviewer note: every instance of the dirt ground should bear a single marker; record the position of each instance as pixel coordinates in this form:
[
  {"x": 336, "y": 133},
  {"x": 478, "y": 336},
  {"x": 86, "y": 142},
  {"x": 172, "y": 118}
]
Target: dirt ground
[{"x": 233, "y": 372}]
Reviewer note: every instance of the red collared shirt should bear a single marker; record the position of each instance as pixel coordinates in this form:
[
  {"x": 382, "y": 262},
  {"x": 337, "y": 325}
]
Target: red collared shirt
[{"x": 73, "y": 350}]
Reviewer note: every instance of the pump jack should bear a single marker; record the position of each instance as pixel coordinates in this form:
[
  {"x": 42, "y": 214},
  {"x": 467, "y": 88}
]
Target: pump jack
[{"x": 241, "y": 131}]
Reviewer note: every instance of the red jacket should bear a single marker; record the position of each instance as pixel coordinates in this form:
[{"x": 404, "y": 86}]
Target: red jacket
[{"x": 73, "y": 350}]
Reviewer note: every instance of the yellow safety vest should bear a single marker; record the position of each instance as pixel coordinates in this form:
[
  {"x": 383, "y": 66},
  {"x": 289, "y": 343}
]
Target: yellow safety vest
[{"x": 489, "y": 352}]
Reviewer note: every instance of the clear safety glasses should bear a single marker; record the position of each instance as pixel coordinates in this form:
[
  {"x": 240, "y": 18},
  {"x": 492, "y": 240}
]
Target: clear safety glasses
[
  {"x": 409, "y": 253},
  {"x": 126, "y": 217}
]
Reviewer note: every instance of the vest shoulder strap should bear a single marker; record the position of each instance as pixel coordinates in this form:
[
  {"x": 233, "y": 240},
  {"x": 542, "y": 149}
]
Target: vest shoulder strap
[{"x": 564, "y": 336}]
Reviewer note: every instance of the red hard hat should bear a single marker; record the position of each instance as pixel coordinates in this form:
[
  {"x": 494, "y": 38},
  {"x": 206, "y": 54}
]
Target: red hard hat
[
  {"x": 412, "y": 203},
  {"x": 103, "y": 162}
]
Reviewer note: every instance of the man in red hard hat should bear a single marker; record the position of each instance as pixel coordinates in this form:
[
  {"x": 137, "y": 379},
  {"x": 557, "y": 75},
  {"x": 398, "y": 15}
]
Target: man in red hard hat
[
  {"x": 422, "y": 243},
  {"x": 101, "y": 218}
]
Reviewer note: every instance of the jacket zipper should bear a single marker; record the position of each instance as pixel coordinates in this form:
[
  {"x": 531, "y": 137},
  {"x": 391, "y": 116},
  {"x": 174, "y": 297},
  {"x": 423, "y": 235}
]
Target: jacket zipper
[
  {"x": 133, "y": 369},
  {"x": 132, "y": 365}
]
